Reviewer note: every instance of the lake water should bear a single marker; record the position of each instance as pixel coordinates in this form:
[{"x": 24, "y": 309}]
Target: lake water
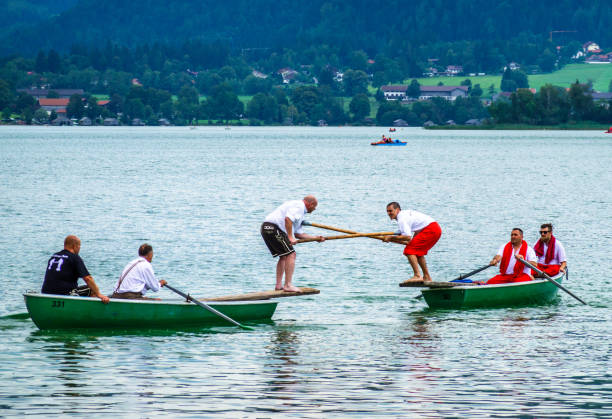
[{"x": 363, "y": 346}]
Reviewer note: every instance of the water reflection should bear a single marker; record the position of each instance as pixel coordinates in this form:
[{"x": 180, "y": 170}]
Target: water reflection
[
  {"x": 71, "y": 355},
  {"x": 282, "y": 351}
]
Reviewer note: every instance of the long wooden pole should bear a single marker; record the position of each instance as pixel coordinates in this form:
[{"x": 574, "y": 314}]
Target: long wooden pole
[
  {"x": 349, "y": 236},
  {"x": 342, "y": 230},
  {"x": 545, "y": 275}
]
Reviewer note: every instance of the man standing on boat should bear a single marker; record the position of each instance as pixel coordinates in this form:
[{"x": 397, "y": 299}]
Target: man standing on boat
[
  {"x": 138, "y": 277},
  {"x": 550, "y": 252},
  {"x": 279, "y": 231},
  {"x": 65, "y": 268},
  {"x": 510, "y": 269},
  {"x": 421, "y": 231}
]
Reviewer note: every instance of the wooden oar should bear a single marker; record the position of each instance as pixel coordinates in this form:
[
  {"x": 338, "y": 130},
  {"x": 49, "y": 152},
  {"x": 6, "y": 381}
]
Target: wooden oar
[
  {"x": 474, "y": 272},
  {"x": 342, "y": 230},
  {"x": 545, "y": 275},
  {"x": 209, "y": 308},
  {"x": 349, "y": 236}
]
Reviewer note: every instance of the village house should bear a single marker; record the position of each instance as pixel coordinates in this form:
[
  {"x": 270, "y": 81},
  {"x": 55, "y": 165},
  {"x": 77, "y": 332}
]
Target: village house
[
  {"x": 599, "y": 59},
  {"x": 591, "y": 48},
  {"x": 454, "y": 70},
  {"x": 43, "y": 93},
  {"x": 288, "y": 74},
  {"x": 513, "y": 66},
  {"x": 259, "y": 74},
  {"x": 446, "y": 92},
  {"x": 398, "y": 92},
  {"x": 57, "y": 105}
]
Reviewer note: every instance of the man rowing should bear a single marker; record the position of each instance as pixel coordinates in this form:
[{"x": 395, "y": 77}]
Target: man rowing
[
  {"x": 421, "y": 231},
  {"x": 138, "y": 276},
  {"x": 510, "y": 269},
  {"x": 279, "y": 231},
  {"x": 550, "y": 252}
]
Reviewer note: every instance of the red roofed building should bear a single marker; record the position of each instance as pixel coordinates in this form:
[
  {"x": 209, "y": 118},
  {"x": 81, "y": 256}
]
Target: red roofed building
[{"x": 57, "y": 105}]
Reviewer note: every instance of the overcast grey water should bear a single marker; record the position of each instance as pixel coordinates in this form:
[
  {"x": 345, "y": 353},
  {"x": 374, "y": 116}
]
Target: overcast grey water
[{"x": 363, "y": 346}]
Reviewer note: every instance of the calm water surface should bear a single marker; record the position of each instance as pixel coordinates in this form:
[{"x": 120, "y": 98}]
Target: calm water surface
[{"x": 364, "y": 346}]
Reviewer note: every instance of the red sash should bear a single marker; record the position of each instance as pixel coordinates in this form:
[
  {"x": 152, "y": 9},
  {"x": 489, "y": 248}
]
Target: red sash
[
  {"x": 550, "y": 252},
  {"x": 505, "y": 260}
]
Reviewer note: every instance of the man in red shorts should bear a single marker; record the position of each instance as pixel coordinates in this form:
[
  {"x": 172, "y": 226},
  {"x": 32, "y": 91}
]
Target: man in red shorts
[
  {"x": 421, "y": 231},
  {"x": 510, "y": 269}
]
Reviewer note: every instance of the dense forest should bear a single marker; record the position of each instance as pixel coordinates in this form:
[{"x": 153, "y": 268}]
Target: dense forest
[{"x": 191, "y": 60}]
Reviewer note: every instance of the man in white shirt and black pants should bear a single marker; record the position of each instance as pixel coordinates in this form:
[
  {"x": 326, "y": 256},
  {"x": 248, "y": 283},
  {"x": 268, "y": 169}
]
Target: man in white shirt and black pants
[
  {"x": 138, "y": 277},
  {"x": 279, "y": 231}
]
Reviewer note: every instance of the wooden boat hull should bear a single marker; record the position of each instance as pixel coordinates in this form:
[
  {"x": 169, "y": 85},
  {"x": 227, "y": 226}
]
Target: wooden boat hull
[
  {"x": 66, "y": 312},
  {"x": 539, "y": 291}
]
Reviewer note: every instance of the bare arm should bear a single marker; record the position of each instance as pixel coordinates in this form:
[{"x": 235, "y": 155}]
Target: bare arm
[
  {"x": 495, "y": 260},
  {"x": 95, "y": 291},
  {"x": 309, "y": 236},
  {"x": 289, "y": 228}
]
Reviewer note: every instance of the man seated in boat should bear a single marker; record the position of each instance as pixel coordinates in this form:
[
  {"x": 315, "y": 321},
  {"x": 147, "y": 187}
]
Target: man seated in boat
[
  {"x": 550, "y": 252},
  {"x": 138, "y": 277},
  {"x": 65, "y": 268},
  {"x": 510, "y": 269}
]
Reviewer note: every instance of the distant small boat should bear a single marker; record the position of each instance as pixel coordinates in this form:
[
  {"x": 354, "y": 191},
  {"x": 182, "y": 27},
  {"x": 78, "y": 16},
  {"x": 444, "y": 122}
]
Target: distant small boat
[
  {"x": 394, "y": 142},
  {"x": 609, "y": 131},
  {"x": 391, "y": 129}
]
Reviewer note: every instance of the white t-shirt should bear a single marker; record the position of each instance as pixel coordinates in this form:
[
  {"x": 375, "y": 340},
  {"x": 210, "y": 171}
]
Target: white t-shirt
[
  {"x": 410, "y": 221},
  {"x": 559, "y": 254},
  {"x": 530, "y": 256},
  {"x": 140, "y": 278},
  {"x": 294, "y": 210}
]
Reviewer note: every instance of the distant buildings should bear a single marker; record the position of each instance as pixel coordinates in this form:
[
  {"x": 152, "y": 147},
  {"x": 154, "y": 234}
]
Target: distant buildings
[
  {"x": 43, "y": 93},
  {"x": 398, "y": 92}
]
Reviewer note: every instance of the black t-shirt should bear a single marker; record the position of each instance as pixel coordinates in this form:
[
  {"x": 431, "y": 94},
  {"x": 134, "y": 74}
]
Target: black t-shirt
[{"x": 63, "y": 272}]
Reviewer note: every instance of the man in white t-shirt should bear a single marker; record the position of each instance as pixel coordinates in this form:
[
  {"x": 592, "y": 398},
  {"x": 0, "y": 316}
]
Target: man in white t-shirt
[
  {"x": 421, "y": 232},
  {"x": 510, "y": 269},
  {"x": 279, "y": 232},
  {"x": 138, "y": 277}
]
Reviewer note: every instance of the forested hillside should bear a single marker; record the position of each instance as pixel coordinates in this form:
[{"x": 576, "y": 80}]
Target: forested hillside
[
  {"x": 314, "y": 62},
  {"x": 503, "y": 30},
  {"x": 16, "y": 14}
]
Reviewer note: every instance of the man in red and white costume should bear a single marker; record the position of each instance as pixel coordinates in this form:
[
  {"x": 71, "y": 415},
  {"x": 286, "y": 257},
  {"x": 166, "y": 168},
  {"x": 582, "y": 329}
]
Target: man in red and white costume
[
  {"x": 550, "y": 252},
  {"x": 510, "y": 269},
  {"x": 421, "y": 233}
]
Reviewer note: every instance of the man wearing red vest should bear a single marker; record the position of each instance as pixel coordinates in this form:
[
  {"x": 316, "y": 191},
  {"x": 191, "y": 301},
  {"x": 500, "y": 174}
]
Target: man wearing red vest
[
  {"x": 510, "y": 269},
  {"x": 550, "y": 252}
]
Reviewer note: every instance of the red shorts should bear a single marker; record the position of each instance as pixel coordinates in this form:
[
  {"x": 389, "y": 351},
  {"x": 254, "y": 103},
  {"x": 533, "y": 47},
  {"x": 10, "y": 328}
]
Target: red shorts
[
  {"x": 550, "y": 270},
  {"x": 507, "y": 278},
  {"x": 424, "y": 240}
]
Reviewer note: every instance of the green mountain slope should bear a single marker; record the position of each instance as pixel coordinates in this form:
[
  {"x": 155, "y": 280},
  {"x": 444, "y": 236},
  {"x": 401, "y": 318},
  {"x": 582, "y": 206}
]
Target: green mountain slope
[{"x": 392, "y": 25}]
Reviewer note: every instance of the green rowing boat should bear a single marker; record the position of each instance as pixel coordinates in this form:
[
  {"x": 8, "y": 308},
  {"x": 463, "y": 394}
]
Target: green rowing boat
[
  {"x": 66, "y": 312},
  {"x": 539, "y": 291}
]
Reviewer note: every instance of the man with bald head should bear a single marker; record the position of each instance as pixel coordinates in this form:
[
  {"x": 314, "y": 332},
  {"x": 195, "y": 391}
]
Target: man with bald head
[
  {"x": 64, "y": 270},
  {"x": 279, "y": 231}
]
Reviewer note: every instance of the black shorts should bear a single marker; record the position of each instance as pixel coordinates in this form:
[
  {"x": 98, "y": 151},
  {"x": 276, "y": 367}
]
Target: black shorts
[{"x": 276, "y": 240}]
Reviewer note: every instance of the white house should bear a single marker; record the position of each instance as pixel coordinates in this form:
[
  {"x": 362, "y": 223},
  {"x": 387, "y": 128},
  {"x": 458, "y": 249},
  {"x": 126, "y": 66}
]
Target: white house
[{"x": 398, "y": 92}]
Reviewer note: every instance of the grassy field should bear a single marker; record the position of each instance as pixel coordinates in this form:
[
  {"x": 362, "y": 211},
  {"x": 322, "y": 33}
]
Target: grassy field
[{"x": 599, "y": 74}]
